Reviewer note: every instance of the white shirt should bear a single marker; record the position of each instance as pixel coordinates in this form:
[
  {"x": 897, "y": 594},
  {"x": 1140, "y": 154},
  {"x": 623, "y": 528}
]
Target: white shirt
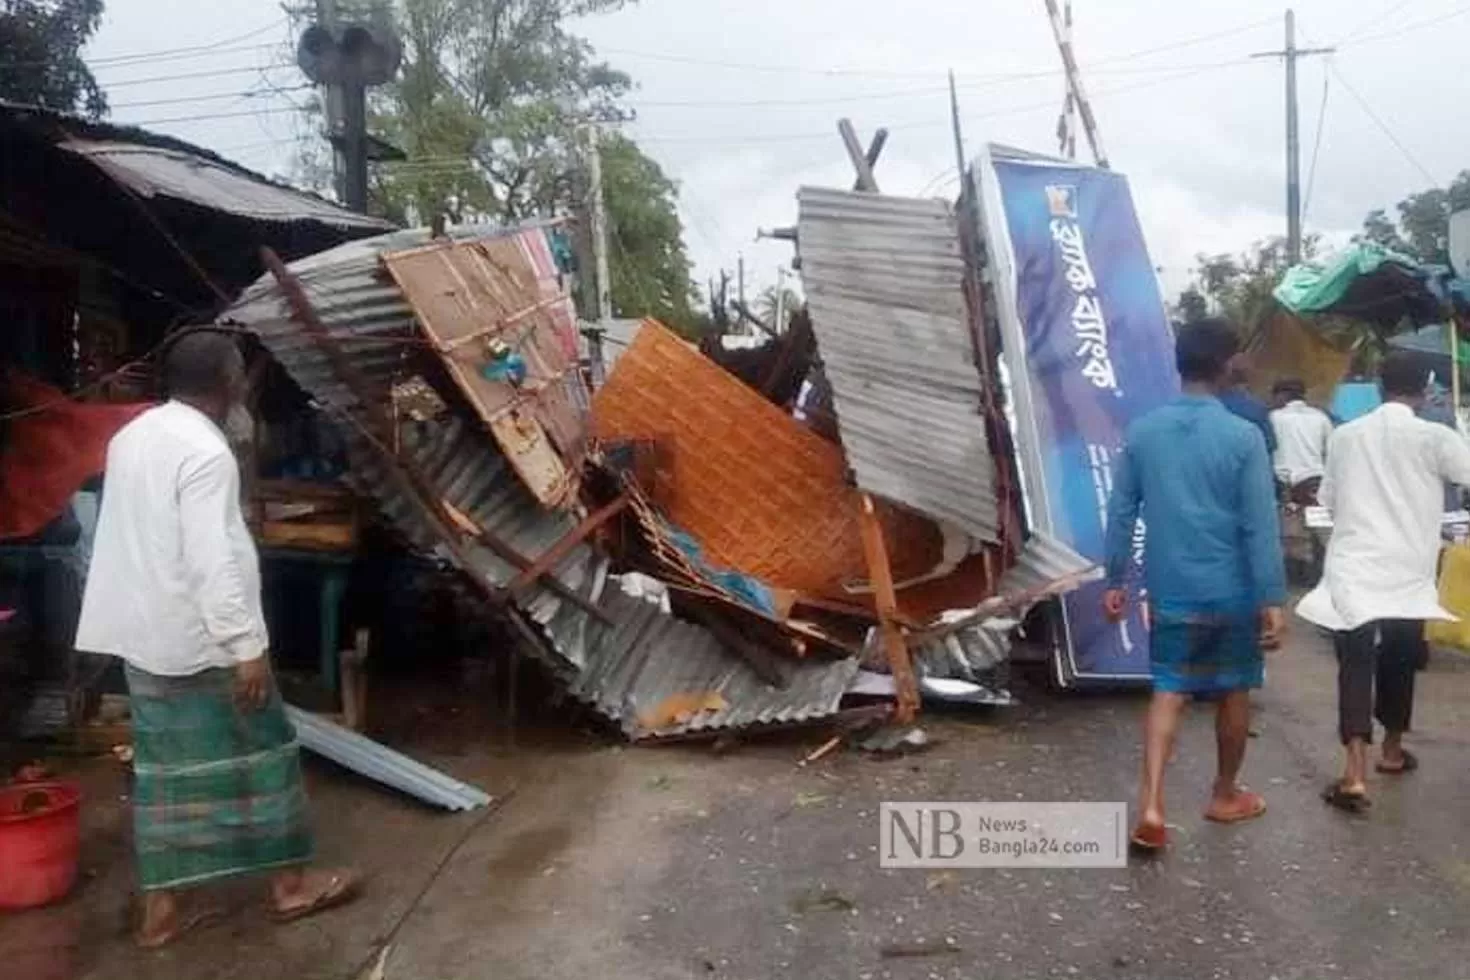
[
  {"x": 1385, "y": 487},
  {"x": 174, "y": 585},
  {"x": 1302, "y": 433}
]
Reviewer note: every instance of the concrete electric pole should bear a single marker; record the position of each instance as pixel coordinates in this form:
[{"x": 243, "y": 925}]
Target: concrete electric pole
[
  {"x": 597, "y": 231},
  {"x": 1293, "y": 137}
]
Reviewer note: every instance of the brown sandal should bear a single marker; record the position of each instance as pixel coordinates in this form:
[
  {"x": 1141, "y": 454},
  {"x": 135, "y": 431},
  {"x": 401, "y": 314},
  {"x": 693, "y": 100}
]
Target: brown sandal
[
  {"x": 340, "y": 889},
  {"x": 1149, "y": 838}
]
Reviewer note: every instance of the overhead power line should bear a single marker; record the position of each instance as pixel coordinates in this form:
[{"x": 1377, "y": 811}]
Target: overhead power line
[
  {"x": 1382, "y": 126},
  {"x": 183, "y": 100},
  {"x": 1316, "y": 146},
  {"x": 1375, "y": 20},
  {"x": 167, "y": 54},
  {"x": 212, "y": 73},
  {"x": 789, "y": 69}
]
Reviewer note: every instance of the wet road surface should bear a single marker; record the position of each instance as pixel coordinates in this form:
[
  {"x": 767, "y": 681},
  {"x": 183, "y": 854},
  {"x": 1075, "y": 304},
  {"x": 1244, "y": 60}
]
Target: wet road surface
[{"x": 680, "y": 862}]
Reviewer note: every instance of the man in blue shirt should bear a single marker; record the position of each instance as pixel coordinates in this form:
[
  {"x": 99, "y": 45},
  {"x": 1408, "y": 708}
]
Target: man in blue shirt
[
  {"x": 1212, "y": 564},
  {"x": 1239, "y": 400}
]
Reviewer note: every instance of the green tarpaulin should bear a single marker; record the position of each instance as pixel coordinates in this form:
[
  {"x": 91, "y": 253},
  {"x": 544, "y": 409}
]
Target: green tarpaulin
[{"x": 1367, "y": 282}]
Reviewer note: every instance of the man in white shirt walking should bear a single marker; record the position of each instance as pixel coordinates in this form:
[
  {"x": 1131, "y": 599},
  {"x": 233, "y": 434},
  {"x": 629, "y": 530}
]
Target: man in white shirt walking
[
  {"x": 1385, "y": 487},
  {"x": 1302, "y": 434},
  {"x": 174, "y": 590}
]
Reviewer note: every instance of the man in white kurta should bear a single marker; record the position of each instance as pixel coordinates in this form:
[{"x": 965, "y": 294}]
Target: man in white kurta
[
  {"x": 1385, "y": 488},
  {"x": 174, "y": 591}
]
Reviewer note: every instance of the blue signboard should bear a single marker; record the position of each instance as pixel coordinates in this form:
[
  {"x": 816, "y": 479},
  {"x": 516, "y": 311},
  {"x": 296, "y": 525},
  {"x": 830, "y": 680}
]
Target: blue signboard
[{"x": 1088, "y": 349}]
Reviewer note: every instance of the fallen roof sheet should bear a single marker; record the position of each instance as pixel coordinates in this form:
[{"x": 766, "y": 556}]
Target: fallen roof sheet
[
  {"x": 212, "y": 183},
  {"x": 620, "y": 670},
  {"x": 884, "y": 282},
  {"x": 383, "y": 765},
  {"x": 1048, "y": 566},
  {"x": 651, "y": 660}
]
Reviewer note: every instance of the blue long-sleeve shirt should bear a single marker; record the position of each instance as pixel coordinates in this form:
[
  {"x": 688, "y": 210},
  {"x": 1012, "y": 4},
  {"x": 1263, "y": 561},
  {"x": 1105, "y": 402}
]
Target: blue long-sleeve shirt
[{"x": 1202, "y": 481}]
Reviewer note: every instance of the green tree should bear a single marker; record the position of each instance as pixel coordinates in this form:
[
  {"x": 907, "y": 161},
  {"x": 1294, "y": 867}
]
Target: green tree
[
  {"x": 1422, "y": 228},
  {"x": 1239, "y": 287},
  {"x": 766, "y": 303},
  {"x": 41, "y": 62},
  {"x": 648, "y": 265},
  {"x": 488, "y": 107},
  {"x": 493, "y": 108}
]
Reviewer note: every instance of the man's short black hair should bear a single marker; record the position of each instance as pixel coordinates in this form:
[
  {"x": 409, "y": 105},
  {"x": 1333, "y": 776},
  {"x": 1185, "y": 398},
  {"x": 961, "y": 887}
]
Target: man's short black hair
[
  {"x": 1291, "y": 388},
  {"x": 1204, "y": 348},
  {"x": 1403, "y": 376},
  {"x": 200, "y": 363}
]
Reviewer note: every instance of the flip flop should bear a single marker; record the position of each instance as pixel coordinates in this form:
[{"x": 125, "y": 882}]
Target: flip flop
[
  {"x": 340, "y": 889},
  {"x": 1149, "y": 838},
  {"x": 1411, "y": 762},
  {"x": 1338, "y": 798},
  {"x": 186, "y": 925},
  {"x": 1249, "y": 807}
]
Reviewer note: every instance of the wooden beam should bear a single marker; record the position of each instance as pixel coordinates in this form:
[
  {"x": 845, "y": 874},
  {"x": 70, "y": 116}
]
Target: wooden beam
[
  {"x": 875, "y": 150},
  {"x": 512, "y": 556},
  {"x": 546, "y": 562},
  {"x": 859, "y": 157},
  {"x": 886, "y": 598}
]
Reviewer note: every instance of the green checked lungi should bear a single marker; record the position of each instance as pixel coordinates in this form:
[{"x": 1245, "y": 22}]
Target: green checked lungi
[{"x": 218, "y": 790}]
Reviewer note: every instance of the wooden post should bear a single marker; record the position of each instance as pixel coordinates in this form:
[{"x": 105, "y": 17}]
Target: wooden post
[
  {"x": 546, "y": 563},
  {"x": 865, "y": 179},
  {"x": 354, "y": 684},
  {"x": 886, "y": 598}
]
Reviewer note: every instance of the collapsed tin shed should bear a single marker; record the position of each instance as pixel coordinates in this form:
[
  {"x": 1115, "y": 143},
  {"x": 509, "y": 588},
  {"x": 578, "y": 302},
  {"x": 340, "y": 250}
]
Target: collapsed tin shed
[{"x": 445, "y": 483}]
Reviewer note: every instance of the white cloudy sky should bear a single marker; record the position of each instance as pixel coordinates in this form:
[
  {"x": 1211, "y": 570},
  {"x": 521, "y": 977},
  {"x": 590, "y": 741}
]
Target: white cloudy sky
[{"x": 738, "y": 100}]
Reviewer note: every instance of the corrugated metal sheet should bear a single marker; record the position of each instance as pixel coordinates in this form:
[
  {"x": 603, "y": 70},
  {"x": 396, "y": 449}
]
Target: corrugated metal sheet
[
  {"x": 650, "y": 658},
  {"x": 151, "y": 170},
  {"x": 619, "y": 670},
  {"x": 977, "y": 653},
  {"x": 383, "y": 765},
  {"x": 1045, "y": 560},
  {"x": 884, "y": 283}
]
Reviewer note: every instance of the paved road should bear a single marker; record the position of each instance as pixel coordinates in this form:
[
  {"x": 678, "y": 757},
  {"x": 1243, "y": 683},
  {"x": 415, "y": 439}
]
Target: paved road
[{"x": 655, "y": 863}]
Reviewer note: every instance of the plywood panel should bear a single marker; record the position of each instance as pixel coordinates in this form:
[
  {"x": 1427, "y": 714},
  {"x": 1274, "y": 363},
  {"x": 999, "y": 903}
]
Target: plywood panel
[{"x": 761, "y": 493}]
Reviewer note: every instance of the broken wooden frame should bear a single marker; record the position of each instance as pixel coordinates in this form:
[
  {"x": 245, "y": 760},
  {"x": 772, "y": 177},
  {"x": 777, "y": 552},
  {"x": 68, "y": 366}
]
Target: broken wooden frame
[
  {"x": 468, "y": 295},
  {"x": 378, "y": 428}
]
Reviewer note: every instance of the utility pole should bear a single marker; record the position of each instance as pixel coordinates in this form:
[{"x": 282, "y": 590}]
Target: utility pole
[
  {"x": 740, "y": 286},
  {"x": 780, "y": 325},
  {"x": 1067, "y": 124},
  {"x": 1062, "y": 33},
  {"x": 1293, "y": 137},
  {"x": 347, "y": 59},
  {"x": 598, "y": 206},
  {"x": 326, "y": 16}
]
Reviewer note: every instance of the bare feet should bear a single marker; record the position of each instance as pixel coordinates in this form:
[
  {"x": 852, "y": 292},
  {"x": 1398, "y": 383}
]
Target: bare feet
[
  {"x": 297, "y": 894},
  {"x": 163, "y": 922}
]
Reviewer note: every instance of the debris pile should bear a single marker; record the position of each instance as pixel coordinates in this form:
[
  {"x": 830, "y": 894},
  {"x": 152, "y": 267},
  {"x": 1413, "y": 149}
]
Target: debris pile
[{"x": 692, "y": 549}]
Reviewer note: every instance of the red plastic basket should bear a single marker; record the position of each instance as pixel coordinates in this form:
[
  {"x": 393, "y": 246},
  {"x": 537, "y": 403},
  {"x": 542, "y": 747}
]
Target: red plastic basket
[{"x": 40, "y": 835}]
